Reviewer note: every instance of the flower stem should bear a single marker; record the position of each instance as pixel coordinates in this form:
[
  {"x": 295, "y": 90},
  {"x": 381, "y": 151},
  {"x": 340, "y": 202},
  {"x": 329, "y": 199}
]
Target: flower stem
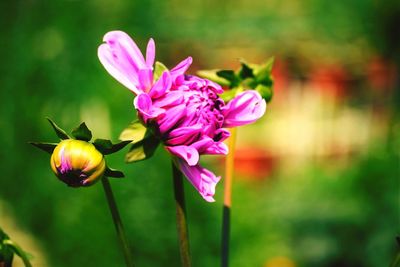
[
  {"x": 181, "y": 217},
  {"x": 117, "y": 222},
  {"x": 226, "y": 213}
]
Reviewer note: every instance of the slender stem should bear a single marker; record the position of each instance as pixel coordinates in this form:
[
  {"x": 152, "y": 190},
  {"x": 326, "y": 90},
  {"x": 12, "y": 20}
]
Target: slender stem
[
  {"x": 396, "y": 261},
  {"x": 117, "y": 222},
  {"x": 226, "y": 213},
  {"x": 181, "y": 223}
]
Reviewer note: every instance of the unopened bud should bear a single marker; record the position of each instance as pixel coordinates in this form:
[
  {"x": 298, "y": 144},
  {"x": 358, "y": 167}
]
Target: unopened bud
[{"x": 77, "y": 163}]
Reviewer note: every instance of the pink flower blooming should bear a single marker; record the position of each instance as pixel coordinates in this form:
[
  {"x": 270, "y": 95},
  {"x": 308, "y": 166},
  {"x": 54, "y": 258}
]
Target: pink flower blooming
[{"x": 184, "y": 111}]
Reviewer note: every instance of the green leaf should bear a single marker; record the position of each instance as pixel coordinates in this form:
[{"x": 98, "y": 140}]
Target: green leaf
[
  {"x": 47, "y": 147},
  {"x": 159, "y": 68},
  {"x": 263, "y": 73},
  {"x": 82, "y": 132},
  {"x": 107, "y": 147},
  {"x": 245, "y": 71},
  {"x": 230, "y": 76},
  {"x": 212, "y": 76},
  {"x": 265, "y": 92},
  {"x": 60, "y": 132},
  {"x": 113, "y": 173},
  {"x": 143, "y": 149},
  {"x": 135, "y": 131}
]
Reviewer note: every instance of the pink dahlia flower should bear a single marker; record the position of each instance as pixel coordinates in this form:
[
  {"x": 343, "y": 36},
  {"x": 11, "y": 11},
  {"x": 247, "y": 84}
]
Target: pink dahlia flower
[{"x": 183, "y": 111}]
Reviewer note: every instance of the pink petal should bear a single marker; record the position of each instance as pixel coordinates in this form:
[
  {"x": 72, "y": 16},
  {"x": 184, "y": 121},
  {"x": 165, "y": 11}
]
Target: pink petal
[
  {"x": 163, "y": 84},
  {"x": 150, "y": 52},
  {"x": 188, "y": 153},
  {"x": 183, "y": 135},
  {"x": 173, "y": 98},
  {"x": 145, "y": 107},
  {"x": 245, "y": 108},
  {"x": 145, "y": 79},
  {"x": 122, "y": 43},
  {"x": 171, "y": 118},
  {"x": 181, "y": 68},
  {"x": 118, "y": 68},
  {"x": 123, "y": 60},
  {"x": 208, "y": 146},
  {"x": 202, "y": 179}
]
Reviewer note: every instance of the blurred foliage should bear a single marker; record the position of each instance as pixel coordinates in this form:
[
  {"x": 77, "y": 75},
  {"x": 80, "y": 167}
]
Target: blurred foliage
[{"x": 318, "y": 215}]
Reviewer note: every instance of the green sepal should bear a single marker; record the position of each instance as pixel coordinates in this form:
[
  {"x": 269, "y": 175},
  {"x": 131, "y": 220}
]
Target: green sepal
[
  {"x": 265, "y": 92},
  {"x": 263, "y": 73},
  {"x": 109, "y": 172},
  {"x": 47, "y": 147},
  {"x": 230, "y": 76},
  {"x": 143, "y": 149},
  {"x": 106, "y": 147},
  {"x": 159, "y": 69},
  {"x": 6, "y": 253},
  {"x": 8, "y": 248},
  {"x": 20, "y": 252},
  {"x": 82, "y": 132},
  {"x": 245, "y": 71},
  {"x": 135, "y": 131},
  {"x": 212, "y": 76},
  {"x": 60, "y": 132}
]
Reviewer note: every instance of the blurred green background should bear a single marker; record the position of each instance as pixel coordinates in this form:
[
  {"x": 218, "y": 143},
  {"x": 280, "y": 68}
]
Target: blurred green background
[{"x": 317, "y": 180}]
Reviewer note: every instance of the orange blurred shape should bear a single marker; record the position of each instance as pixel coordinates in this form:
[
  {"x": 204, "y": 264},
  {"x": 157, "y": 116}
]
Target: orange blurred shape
[
  {"x": 280, "y": 262},
  {"x": 253, "y": 163},
  {"x": 381, "y": 74},
  {"x": 330, "y": 80}
]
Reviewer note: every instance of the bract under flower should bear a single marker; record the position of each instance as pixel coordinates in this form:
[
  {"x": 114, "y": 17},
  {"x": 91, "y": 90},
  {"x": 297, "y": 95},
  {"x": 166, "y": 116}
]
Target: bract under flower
[{"x": 185, "y": 112}]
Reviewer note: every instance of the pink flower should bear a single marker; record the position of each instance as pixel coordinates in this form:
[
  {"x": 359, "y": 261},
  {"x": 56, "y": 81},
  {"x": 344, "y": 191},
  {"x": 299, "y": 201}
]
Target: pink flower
[{"x": 183, "y": 111}]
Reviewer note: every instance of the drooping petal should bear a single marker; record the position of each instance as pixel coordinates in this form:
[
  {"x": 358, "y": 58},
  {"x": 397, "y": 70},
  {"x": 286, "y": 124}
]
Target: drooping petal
[
  {"x": 145, "y": 107},
  {"x": 245, "y": 108},
  {"x": 163, "y": 84},
  {"x": 202, "y": 179},
  {"x": 188, "y": 153},
  {"x": 150, "y": 52},
  {"x": 181, "y": 68}
]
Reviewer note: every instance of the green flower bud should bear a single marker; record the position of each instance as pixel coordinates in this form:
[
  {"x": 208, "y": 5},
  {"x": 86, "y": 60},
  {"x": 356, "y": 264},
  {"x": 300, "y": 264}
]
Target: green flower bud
[{"x": 77, "y": 163}]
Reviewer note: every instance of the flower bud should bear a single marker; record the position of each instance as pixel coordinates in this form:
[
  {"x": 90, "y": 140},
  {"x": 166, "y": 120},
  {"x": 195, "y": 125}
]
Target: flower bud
[{"x": 77, "y": 163}]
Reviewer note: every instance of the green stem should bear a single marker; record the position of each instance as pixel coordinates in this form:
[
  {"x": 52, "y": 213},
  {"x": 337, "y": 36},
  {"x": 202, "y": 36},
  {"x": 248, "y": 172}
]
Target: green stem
[
  {"x": 181, "y": 223},
  {"x": 226, "y": 213},
  {"x": 117, "y": 222},
  {"x": 396, "y": 261}
]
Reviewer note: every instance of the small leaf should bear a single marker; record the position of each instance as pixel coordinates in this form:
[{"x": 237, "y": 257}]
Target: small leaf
[
  {"x": 60, "y": 132},
  {"x": 47, "y": 147},
  {"x": 245, "y": 71},
  {"x": 135, "y": 131},
  {"x": 265, "y": 92},
  {"x": 107, "y": 147},
  {"x": 82, "y": 132},
  {"x": 113, "y": 173},
  {"x": 159, "y": 68},
  {"x": 212, "y": 76},
  {"x": 143, "y": 149}
]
